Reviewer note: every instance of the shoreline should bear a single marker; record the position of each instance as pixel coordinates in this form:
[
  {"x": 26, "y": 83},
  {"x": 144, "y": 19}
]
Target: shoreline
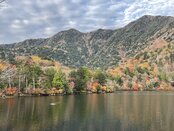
[{"x": 77, "y": 93}]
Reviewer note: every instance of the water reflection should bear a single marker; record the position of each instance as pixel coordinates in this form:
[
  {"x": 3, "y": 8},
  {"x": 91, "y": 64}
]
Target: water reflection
[{"x": 122, "y": 111}]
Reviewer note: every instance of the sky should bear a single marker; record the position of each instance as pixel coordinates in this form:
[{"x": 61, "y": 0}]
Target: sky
[{"x": 24, "y": 19}]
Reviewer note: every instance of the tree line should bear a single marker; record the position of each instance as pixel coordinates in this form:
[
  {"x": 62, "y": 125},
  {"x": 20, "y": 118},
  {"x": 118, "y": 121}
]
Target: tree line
[{"x": 28, "y": 74}]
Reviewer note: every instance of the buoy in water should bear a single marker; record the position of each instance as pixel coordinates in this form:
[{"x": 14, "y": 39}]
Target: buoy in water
[{"x": 52, "y": 104}]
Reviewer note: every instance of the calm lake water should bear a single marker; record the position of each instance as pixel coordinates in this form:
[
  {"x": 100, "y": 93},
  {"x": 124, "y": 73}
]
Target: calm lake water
[{"x": 121, "y": 111}]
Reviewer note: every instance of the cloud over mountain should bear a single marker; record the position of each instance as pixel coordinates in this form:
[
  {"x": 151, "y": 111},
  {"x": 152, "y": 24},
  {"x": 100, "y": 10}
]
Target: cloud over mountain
[{"x": 38, "y": 18}]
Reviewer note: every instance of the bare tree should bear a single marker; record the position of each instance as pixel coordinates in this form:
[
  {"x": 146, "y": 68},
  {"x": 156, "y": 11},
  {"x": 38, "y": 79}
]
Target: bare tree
[{"x": 8, "y": 74}]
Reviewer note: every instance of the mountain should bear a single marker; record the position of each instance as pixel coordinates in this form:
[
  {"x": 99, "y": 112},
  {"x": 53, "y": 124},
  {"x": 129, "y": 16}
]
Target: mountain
[
  {"x": 150, "y": 69},
  {"x": 101, "y": 48}
]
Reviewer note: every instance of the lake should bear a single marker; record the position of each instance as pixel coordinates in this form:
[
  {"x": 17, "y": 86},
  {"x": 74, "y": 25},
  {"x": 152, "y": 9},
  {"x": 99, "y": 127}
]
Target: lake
[{"x": 121, "y": 111}]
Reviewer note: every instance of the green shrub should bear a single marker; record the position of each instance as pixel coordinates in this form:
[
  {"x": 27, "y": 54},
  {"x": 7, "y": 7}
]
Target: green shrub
[
  {"x": 163, "y": 76},
  {"x": 119, "y": 80},
  {"x": 100, "y": 76},
  {"x": 127, "y": 72}
]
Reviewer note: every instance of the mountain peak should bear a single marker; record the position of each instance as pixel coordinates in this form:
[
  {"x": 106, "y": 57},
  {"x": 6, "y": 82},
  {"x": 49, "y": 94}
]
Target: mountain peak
[
  {"x": 148, "y": 16},
  {"x": 151, "y": 17},
  {"x": 73, "y": 30}
]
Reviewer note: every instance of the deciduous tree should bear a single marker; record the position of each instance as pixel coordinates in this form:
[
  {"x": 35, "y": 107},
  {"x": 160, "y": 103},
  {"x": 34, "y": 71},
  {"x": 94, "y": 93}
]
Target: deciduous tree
[
  {"x": 59, "y": 80},
  {"x": 81, "y": 76}
]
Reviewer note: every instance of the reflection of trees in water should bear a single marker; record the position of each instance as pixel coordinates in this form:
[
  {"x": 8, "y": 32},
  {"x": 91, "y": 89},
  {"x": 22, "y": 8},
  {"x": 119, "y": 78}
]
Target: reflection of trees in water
[
  {"x": 145, "y": 112},
  {"x": 120, "y": 111}
]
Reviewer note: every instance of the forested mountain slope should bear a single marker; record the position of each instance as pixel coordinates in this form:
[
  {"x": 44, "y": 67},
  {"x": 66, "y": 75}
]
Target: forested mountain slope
[{"x": 101, "y": 48}]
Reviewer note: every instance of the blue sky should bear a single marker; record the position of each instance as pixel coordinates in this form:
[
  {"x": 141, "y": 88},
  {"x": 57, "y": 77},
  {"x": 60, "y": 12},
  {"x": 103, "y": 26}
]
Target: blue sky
[{"x": 26, "y": 19}]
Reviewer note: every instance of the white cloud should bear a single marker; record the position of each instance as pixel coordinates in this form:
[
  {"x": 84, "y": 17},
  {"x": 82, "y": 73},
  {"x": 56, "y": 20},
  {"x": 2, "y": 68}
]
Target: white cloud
[
  {"x": 117, "y": 6},
  {"x": 148, "y": 7},
  {"x": 49, "y": 30},
  {"x": 16, "y": 24},
  {"x": 72, "y": 23},
  {"x": 38, "y": 18},
  {"x": 25, "y": 21},
  {"x": 16, "y": 21},
  {"x": 76, "y": 1}
]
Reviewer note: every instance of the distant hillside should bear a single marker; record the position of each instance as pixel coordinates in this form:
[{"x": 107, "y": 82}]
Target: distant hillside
[{"x": 100, "y": 48}]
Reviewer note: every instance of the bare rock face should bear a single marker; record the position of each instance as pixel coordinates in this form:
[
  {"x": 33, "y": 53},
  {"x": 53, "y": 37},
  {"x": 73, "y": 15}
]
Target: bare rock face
[{"x": 99, "y": 48}]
